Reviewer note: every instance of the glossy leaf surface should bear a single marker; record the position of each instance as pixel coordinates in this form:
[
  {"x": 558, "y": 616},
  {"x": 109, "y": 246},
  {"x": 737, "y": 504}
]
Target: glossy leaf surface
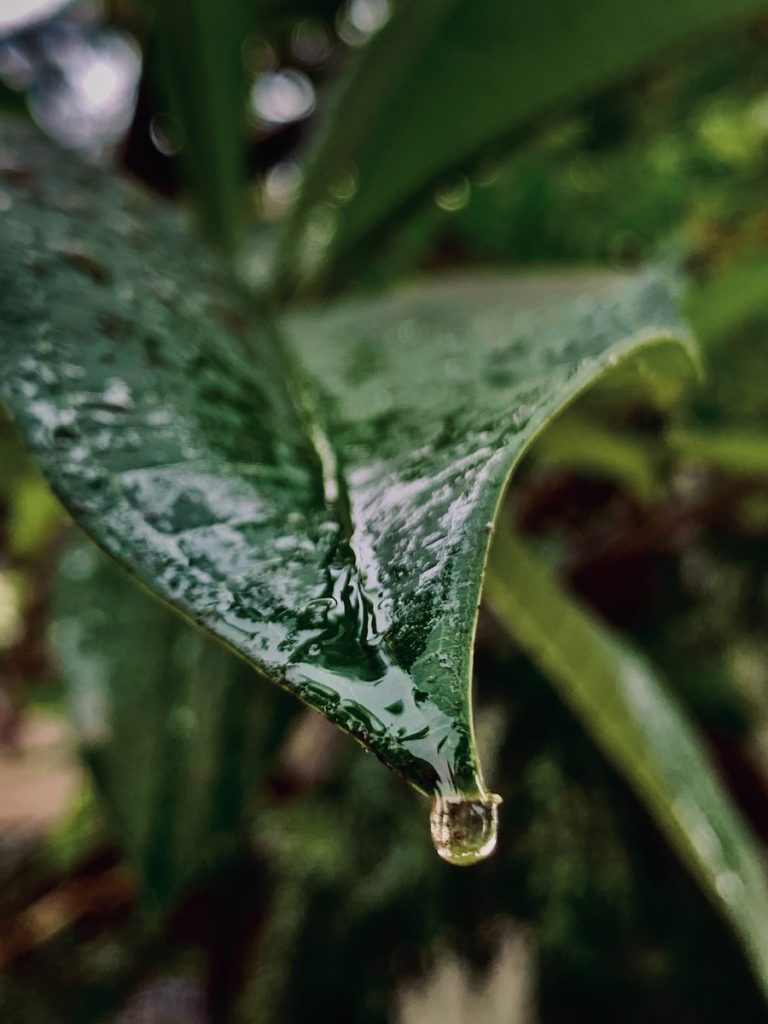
[
  {"x": 324, "y": 506},
  {"x": 169, "y": 722},
  {"x": 632, "y": 716},
  {"x": 496, "y": 68}
]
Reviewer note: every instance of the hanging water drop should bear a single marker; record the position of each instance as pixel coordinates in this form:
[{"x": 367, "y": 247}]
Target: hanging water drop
[{"x": 463, "y": 829}]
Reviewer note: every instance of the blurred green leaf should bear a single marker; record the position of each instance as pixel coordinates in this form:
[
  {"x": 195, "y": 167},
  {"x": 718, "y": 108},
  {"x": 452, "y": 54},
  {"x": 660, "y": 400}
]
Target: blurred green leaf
[
  {"x": 731, "y": 297},
  {"x": 447, "y": 80},
  {"x": 34, "y": 515},
  {"x": 173, "y": 730},
  {"x": 741, "y": 452},
  {"x": 196, "y": 56},
  {"x": 323, "y": 506},
  {"x": 575, "y": 443},
  {"x": 634, "y": 719}
]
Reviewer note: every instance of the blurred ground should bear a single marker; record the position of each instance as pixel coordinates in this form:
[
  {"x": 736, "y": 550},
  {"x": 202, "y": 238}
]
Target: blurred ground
[{"x": 39, "y": 776}]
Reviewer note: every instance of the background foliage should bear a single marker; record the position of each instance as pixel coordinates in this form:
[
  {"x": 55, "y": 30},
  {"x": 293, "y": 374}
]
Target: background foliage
[{"x": 656, "y": 520}]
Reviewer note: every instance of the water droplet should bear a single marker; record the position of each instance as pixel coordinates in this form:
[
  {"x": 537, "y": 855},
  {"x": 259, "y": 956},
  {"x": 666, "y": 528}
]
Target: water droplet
[
  {"x": 454, "y": 195},
  {"x": 729, "y": 886},
  {"x": 310, "y": 42},
  {"x": 344, "y": 186},
  {"x": 464, "y": 830},
  {"x": 280, "y": 97},
  {"x": 358, "y": 20},
  {"x": 117, "y": 395},
  {"x": 181, "y": 720},
  {"x": 165, "y": 134}
]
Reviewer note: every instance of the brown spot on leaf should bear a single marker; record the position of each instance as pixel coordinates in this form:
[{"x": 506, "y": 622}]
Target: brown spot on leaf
[
  {"x": 232, "y": 319},
  {"x": 153, "y": 354},
  {"x": 20, "y": 177},
  {"x": 85, "y": 263},
  {"x": 111, "y": 325}
]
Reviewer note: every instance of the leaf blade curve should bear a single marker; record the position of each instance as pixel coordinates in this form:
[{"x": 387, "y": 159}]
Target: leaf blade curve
[
  {"x": 321, "y": 504},
  {"x": 497, "y": 68},
  {"x": 624, "y": 704}
]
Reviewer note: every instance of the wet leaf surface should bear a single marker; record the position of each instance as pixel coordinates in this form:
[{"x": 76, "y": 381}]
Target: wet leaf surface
[{"x": 320, "y": 501}]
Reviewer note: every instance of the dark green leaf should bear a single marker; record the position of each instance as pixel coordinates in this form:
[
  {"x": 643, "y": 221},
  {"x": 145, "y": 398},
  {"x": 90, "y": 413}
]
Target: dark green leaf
[
  {"x": 495, "y": 68},
  {"x": 631, "y": 715},
  {"x": 170, "y": 724},
  {"x": 196, "y": 57},
  {"x": 324, "y": 508}
]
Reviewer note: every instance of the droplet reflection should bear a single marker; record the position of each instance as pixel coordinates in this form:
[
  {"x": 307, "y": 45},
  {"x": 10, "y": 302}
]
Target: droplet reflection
[
  {"x": 281, "y": 97},
  {"x": 464, "y": 830}
]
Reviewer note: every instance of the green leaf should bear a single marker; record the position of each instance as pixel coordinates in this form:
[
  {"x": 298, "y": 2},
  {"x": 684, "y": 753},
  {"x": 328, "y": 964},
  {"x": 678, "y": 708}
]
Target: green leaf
[
  {"x": 576, "y": 444},
  {"x": 740, "y": 452},
  {"x": 731, "y": 298},
  {"x": 170, "y": 725},
  {"x": 635, "y": 720},
  {"x": 322, "y": 505},
  {"x": 495, "y": 67},
  {"x": 196, "y": 56}
]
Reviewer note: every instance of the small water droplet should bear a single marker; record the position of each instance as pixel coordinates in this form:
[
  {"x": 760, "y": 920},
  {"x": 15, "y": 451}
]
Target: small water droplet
[
  {"x": 182, "y": 720},
  {"x": 453, "y": 195},
  {"x": 464, "y": 830},
  {"x": 729, "y": 886},
  {"x": 117, "y": 395}
]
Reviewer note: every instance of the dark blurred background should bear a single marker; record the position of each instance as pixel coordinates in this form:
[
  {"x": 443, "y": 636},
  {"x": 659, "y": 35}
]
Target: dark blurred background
[{"x": 321, "y": 897}]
